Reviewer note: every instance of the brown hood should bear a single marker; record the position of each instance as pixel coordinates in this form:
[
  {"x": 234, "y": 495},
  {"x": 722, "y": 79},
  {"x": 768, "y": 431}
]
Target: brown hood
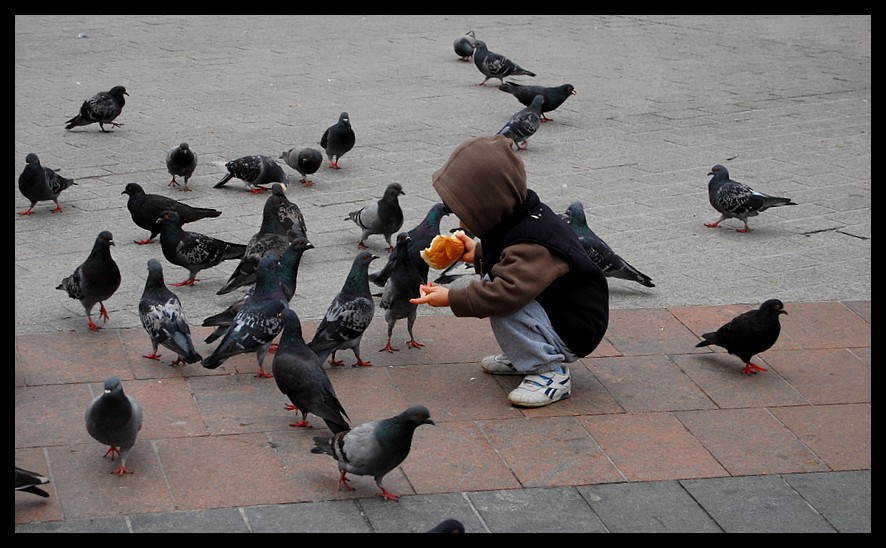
[{"x": 482, "y": 182}]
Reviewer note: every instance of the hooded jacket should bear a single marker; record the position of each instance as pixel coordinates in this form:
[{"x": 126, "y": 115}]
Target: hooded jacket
[{"x": 527, "y": 251}]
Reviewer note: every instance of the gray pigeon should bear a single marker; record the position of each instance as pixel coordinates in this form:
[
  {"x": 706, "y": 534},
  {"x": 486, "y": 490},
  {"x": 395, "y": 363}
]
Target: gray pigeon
[
  {"x": 255, "y": 171},
  {"x": 301, "y": 378},
  {"x": 305, "y": 160},
  {"x": 402, "y": 285},
  {"x": 348, "y": 315},
  {"x": 338, "y": 140},
  {"x": 102, "y": 108},
  {"x": 384, "y": 216},
  {"x": 193, "y": 250},
  {"x": 495, "y": 65},
  {"x": 114, "y": 419},
  {"x": 181, "y": 161},
  {"x": 282, "y": 222},
  {"x": 447, "y": 526},
  {"x": 748, "y": 334},
  {"x": 554, "y": 96},
  {"x": 421, "y": 236},
  {"x": 737, "y": 200},
  {"x": 145, "y": 209},
  {"x": 289, "y": 263},
  {"x": 612, "y": 265},
  {"x": 94, "y": 281},
  {"x": 524, "y": 123},
  {"x": 374, "y": 448},
  {"x": 160, "y": 311},
  {"x": 257, "y": 323},
  {"x": 27, "y": 482},
  {"x": 464, "y": 46},
  {"x": 40, "y": 184}
]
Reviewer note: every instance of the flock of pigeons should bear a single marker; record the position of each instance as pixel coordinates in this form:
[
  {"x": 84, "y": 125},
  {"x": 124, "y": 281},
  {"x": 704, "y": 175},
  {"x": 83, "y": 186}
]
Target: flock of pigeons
[{"x": 269, "y": 262}]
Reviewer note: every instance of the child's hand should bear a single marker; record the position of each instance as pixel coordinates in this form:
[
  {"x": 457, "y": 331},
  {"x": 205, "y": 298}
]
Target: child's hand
[
  {"x": 433, "y": 295},
  {"x": 470, "y": 244}
]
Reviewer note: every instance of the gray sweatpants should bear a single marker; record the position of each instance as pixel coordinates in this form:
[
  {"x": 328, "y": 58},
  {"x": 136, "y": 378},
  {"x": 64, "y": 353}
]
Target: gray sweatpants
[{"x": 529, "y": 341}]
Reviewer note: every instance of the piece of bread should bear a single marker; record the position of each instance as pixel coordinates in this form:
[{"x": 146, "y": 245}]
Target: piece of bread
[{"x": 443, "y": 252}]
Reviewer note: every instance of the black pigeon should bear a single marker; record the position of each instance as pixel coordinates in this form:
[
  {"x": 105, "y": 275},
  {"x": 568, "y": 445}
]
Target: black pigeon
[
  {"x": 192, "y": 250},
  {"x": 258, "y": 321},
  {"x": 348, "y": 315},
  {"x": 374, "y": 448},
  {"x": 114, "y": 419},
  {"x": 255, "y": 171},
  {"x": 524, "y": 123},
  {"x": 288, "y": 264},
  {"x": 27, "y": 481},
  {"x": 41, "y": 184},
  {"x": 94, "y": 281},
  {"x": 181, "y": 161},
  {"x": 282, "y": 222},
  {"x": 102, "y": 108},
  {"x": 447, "y": 526},
  {"x": 384, "y": 216},
  {"x": 300, "y": 377},
  {"x": 145, "y": 209},
  {"x": 338, "y": 140},
  {"x": 737, "y": 200},
  {"x": 160, "y": 311},
  {"x": 612, "y": 265},
  {"x": 749, "y": 333},
  {"x": 464, "y": 46},
  {"x": 495, "y": 65},
  {"x": 402, "y": 286},
  {"x": 420, "y": 236},
  {"x": 305, "y": 160},
  {"x": 554, "y": 96}
]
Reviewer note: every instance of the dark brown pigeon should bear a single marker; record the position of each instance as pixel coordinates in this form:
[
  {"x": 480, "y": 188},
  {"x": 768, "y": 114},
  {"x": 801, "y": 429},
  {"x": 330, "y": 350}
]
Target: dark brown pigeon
[
  {"x": 145, "y": 209},
  {"x": 94, "y": 281},
  {"x": 749, "y": 333}
]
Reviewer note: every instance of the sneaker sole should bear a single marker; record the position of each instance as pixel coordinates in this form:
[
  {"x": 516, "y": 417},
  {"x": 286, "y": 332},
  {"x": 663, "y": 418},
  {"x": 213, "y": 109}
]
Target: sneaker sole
[{"x": 539, "y": 404}]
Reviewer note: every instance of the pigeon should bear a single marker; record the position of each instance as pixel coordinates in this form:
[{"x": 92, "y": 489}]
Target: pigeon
[
  {"x": 612, "y": 265},
  {"x": 464, "y": 46},
  {"x": 289, "y": 263},
  {"x": 374, "y": 448},
  {"x": 348, "y": 315},
  {"x": 282, "y": 222},
  {"x": 145, "y": 209},
  {"x": 338, "y": 139},
  {"x": 749, "y": 333},
  {"x": 40, "y": 184},
  {"x": 181, "y": 161},
  {"x": 421, "y": 236},
  {"x": 301, "y": 378},
  {"x": 524, "y": 123},
  {"x": 737, "y": 200},
  {"x": 193, "y": 250},
  {"x": 102, "y": 108},
  {"x": 306, "y": 161},
  {"x": 27, "y": 481},
  {"x": 554, "y": 96},
  {"x": 255, "y": 171},
  {"x": 160, "y": 311},
  {"x": 447, "y": 526},
  {"x": 384, "y": 216},
  {"x": 257, "y": 322},
  {"x": 495, "y": 65},
  {"x": 402, "y": 286},
  {"x": 94, "y": 281},
  {"x": 114, "y": 419}
]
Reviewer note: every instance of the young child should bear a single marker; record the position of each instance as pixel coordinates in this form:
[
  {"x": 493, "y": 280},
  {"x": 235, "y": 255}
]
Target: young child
[{"x": 547, "y": 302}]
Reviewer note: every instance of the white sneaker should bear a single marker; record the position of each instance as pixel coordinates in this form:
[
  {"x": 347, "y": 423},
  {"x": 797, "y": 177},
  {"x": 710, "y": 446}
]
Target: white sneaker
[
  {"x": 542, "y": 389},
  {"x": 498, "y": 365}
]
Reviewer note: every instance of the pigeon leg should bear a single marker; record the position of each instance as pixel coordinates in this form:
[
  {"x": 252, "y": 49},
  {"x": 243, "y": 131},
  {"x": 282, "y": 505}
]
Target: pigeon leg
[
  {"x": 303, "y": 423},
  {"x": 361, "y": 245},
  {"x": 186, "y": 189},
  {"x": 262, "y": 374},
  {"x": 415, "y": 344},
  {"x": 306, "y": 182},
  {"x": 334, "y": 362},
  {"x": 122, "y": 470},
  {"x": 113, "y": 451},
  {"x": 361, "y": 363},
  {"x": 103, "y": 312},
  {"x": 389, "y": 348},
  {"x": 178, "y": 361},
  {"x": 189, "y": 281},
  {"x": 716, "y": 223},
  {"x": 92, "y": 326},
  {"x": 745, "y": 229},
  {"x": 58, "y": 208},
  {"x": 546, "y": 119},
  {"x": 28, "y": 211},
  {"x": 153, "y": 356},
  {"x": 334, "y": 163},
  {"x": 147, "y": 240},
  {"x": 173, "y": 182},
  {"x": 387, "y": 495},
  {"x": 258, "y": 189},
  {"x": 290, "y": 407},
  {"x": 273, "y": 348},
  {"x": 344, "y": 480},
  {"x": 752, "y": 368}
]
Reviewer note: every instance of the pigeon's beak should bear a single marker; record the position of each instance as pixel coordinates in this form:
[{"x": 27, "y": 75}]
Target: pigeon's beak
[
  {"x": 710, "y": 172},
  {"x": 573, "y": 92},
  {"x": 429, "y": 421},
  {"x": 107, "y": 391}
]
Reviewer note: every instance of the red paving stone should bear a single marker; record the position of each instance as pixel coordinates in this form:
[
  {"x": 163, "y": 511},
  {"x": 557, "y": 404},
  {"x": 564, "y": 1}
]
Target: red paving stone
[{"x": 646, "y": 405}]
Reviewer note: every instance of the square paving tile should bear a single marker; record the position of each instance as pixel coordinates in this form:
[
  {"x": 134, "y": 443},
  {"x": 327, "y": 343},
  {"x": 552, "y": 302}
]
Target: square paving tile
[
  {"x": 825, "y": 325},
  {"x": 824, "y": 375},
  {"x": 648, "y": 331},
  {"x": 236, "y": 404},
  {"x": 839, "y": 434},
  {"x": 86, "y": 356},
  {"x": 51, "y": 414}
]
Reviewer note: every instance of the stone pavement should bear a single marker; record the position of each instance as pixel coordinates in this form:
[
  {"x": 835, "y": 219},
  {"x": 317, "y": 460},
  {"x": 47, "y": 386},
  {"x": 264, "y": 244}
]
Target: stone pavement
[{"x": 659, "y": 435}]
